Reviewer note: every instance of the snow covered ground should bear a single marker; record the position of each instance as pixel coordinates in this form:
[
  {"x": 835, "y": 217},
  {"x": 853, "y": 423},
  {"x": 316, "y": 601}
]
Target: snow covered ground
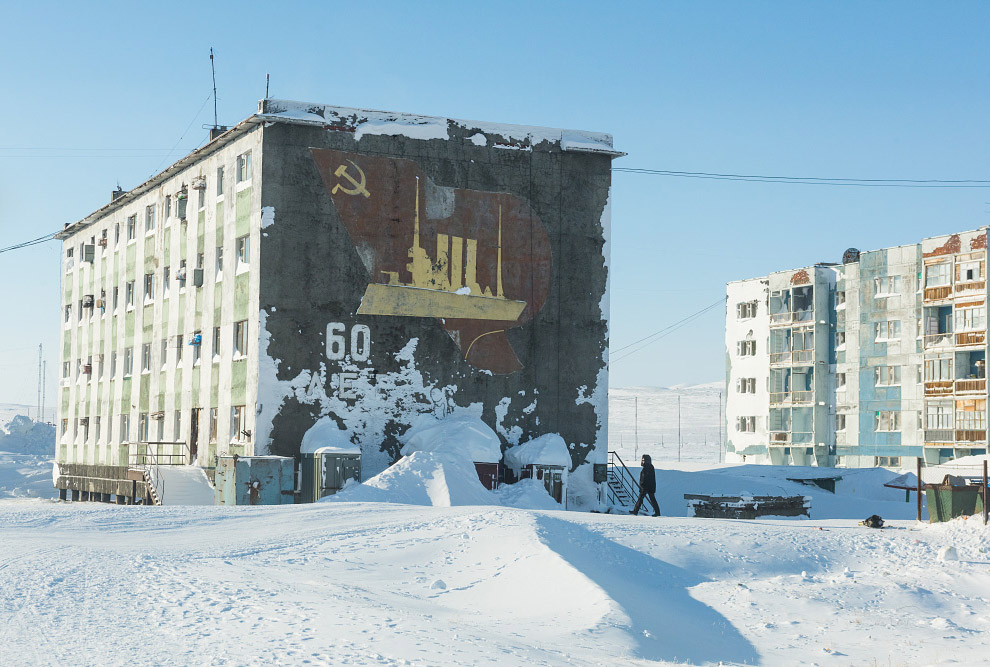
[{"x": 428, "y": 579}]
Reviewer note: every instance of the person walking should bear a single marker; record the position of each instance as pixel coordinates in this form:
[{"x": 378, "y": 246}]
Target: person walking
[{"x": 647, "y": 486}]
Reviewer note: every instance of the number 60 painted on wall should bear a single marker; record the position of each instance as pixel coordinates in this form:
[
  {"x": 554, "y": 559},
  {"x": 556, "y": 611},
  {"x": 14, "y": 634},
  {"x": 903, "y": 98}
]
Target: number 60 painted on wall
[{"x": 337, "y": 342}]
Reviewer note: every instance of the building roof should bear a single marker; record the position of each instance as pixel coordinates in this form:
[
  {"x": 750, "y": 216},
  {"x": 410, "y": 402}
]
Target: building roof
[{"x": 364, "y": 122}]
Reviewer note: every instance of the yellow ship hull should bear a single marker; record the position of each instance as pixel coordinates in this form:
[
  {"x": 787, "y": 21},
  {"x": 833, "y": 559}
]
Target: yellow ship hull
[{"x": 406, "y": 301}]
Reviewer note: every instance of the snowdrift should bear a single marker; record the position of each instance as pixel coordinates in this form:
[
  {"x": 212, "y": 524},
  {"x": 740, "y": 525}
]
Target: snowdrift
[
  {"x": 463, "y": 435},
  {"x": 25, "y": 436},
  {"x": 549, "y": 449}
]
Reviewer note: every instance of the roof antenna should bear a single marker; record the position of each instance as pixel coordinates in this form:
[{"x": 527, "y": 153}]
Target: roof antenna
[
  {"x": 266, "y": 85},
  {"x": 217, "y": 129}
]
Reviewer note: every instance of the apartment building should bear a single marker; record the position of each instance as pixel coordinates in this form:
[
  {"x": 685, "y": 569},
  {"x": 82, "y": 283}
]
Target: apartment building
[
  {"x": 889, "y": 365},
  {"x": 319, "y": 263}
]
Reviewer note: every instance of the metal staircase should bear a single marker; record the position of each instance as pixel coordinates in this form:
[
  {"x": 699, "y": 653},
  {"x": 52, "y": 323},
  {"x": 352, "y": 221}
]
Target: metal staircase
[
  {"x": 146, "y": 459},
  {"x": 622, "y": 487}
]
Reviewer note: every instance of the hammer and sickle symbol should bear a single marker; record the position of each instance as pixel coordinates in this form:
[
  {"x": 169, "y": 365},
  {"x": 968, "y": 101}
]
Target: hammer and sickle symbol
[{"x": 358, "y": 187}]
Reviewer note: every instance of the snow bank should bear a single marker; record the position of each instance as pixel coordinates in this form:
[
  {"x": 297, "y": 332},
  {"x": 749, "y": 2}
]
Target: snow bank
[
  {"x": 549, "y": 449},
  {"x": 438, "y": 478},
  {"x": 526, "y": 494},
  {"x": 462, "y": 435},
  {"x": 326, "y": 437},
  {"x": 25, "y": 436}
]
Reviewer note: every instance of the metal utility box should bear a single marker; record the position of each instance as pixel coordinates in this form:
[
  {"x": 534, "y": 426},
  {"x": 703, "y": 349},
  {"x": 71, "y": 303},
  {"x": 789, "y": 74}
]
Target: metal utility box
[
  {"x": 255, "y": 480},
  {"x": 324, "y": 473},
  {"x": 553, "y": 478}
]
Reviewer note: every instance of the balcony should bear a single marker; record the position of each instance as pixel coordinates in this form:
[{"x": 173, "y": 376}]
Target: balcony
[
  {"x": 941, "y": 339},
  {"x": 971, "y": 286},
  {"x": 978, "y": 385},
  {"x": 979, "y": 436},
  {"x": 940, "y": 435},
  {"x": 939, "y": 388},
  {"x": 971, "y": 338},
  {"x": 797, "y": 357},
  {"x": 779, "y": 438},
  {"x": 938, "y": 293}
]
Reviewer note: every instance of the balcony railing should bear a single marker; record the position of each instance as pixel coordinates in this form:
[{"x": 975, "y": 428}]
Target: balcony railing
[
  {"x": 972, "y": 286},
  {"x": 979, "y": 385},
  {"x": 971, "y": 436},
  {"x": 780, "y": 437},
  {"x": 938, "y": 293},
  {"x": 777, "y": 397},
  {"x": 939, "y": 388},
  {"x": 941, "y": 339},
  {"x": 802, "y": 357},
  {"x": 940, "y": 435},
  {"x": 806, "y": 315},
  {"x": 971, "y": 338}
]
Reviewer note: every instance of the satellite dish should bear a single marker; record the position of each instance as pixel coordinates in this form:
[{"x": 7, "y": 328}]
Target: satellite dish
[{"x": 850, "y": 256}]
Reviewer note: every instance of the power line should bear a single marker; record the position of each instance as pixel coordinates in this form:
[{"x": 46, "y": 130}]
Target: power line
[
  {"x": 40, "y": 239},
  {"x": 664, "y": 332},
  {"x": 813, "y": 180}
]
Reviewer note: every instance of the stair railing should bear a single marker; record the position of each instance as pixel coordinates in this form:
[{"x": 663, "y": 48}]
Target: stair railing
[{"x": 620, "y": 480}]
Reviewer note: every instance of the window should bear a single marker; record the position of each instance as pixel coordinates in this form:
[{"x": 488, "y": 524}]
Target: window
[
  {"x": 168, "y": 207},
  {"x": 149, "y": 287},
  {"x": 65, "y": 426},
  {"x": 237, "y": 423},
  {"x": 244, "y": 167},
  {"x": 219, "y": 262},
  {"x": 79, "y": 311},
  {"x": 178, "y": 349},
  {"x": 116, "y": 233},
  {"x": 201, "y": 196},
  {"x": 145, "y": 357},
  {"x": 888, "y": 461},
  {"x": 199, "y": 261},
  {"x": 125, "y": 428},
  {"x": 887, "y": 420},
  {"x": 746, "y": 310},
  {"x": 96, "y": 429},
  {"x": 969, "y": 271},
  {"x": 840, "y": 297},
  {"x": 143, "y": 427},
  {"x": 181, "y": 275},
  {"x": 100, "y": 362},
  {"x": 886, "y": 286},
  {"x": 840, "y": 422},
  {"x": 840, "y": 339},
  {"x": 128, "y": 361},
  {"x": 887, "y": 330},
  {"x": 886, "y": 376},
  {"x": 840, "y": 380},
  {"x": 243, "y": 246},
  {"x": 938, "y": 370},
  {"x": 240, "y": 338},
  {"x": 164, "y": 352},
  {"x": 166, "y": 274},
  {"x": 746, "y": 424},
  {"x": 65, "y": 369},
  {"x": 113, "y": 364},
  {"x": 116, "y": 294},
  {"x": 68, "y": 253},
  {"x": 214, "y": 418},
  {"x": 68, "y": 313},
  {"x": 746, "y": 385},
  {"x": 971, "y": 319},
  {"x": 177, "y": 426},
  {"x": 149, "y": 218},
  {"x": 129, "y": 294},
  {"x": 746, "y": 348},
  {"x": 216, "y": 344},
  {"x": 131, "y": 227},
  {"x": 219, "y": 181},
  {"x": 971, "y": 415},
  {"x": 938, "y": 416},
  {"x": 937, "y": 275},
  {"x": 197, "y": 346}
]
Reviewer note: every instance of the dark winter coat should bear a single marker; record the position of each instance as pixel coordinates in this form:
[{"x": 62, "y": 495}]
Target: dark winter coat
[{"x": 648, "y": 476}]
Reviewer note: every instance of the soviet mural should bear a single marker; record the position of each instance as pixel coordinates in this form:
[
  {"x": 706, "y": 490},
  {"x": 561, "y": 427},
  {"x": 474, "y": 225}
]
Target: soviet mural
[
  {"x": 477, "y": 262},
  {"x": 406, "y": 277}
]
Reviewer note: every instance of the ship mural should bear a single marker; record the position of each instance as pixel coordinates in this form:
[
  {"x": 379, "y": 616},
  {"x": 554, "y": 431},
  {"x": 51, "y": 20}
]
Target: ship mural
[{"x": 490, "y": 266}]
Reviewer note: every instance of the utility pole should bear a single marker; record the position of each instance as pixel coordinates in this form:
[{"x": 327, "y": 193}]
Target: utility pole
[
  {"x": 678, "y": 428},
  {"x": 636, "y": 426},
  {"x": 719, "y": 427},
  {"x": 39, "y": 416},
  {"x": 44, "y": 374}
]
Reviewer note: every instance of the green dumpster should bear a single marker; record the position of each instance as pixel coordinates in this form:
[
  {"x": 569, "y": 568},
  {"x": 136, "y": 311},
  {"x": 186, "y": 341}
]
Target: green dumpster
[{"x": 947, "y": 501}]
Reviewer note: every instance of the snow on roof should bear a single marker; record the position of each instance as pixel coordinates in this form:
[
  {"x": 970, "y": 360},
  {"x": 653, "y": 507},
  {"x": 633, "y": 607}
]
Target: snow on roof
[
  {"x": 549, "y": 449},
  {"x": 456, "y": 434},
  {"x": 367, "y": 121},
  {"x": 325, "y": 437},
  {"x": 967, "y": 466}
]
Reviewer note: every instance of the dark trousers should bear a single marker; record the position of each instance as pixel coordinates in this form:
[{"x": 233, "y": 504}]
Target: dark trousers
[{"x": 643, "y": 493}]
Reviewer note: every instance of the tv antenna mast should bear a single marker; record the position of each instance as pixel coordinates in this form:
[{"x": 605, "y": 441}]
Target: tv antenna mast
[{"x": 217, "y": 128}]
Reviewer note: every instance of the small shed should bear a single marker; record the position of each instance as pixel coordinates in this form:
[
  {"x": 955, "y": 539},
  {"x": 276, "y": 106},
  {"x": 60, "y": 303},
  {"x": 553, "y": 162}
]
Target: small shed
[
  {"x": 545, "y": 458},
  {"x": 462, "y": 434},
  {"x": 255, "y": 480},
  {"x": 327, "y": 460}
]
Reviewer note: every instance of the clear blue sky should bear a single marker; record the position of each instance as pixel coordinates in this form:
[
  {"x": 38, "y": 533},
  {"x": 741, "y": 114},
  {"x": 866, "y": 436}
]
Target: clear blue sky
[{"x": 848, "y": 89}]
